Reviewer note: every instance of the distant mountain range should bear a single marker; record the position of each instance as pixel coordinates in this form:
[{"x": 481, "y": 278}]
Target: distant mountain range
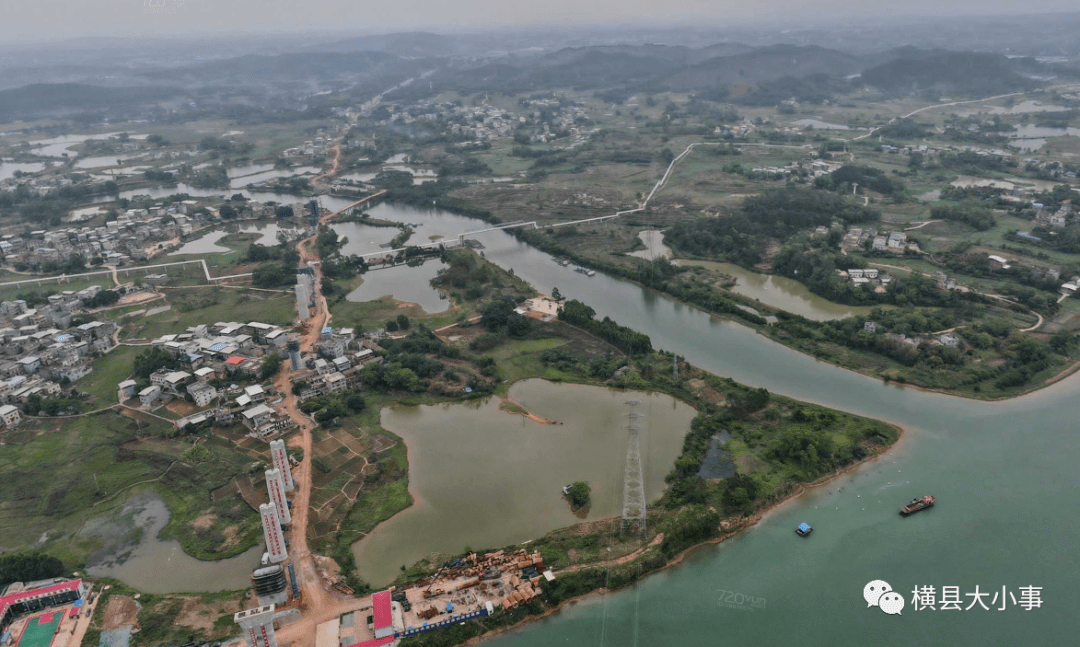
[{"x": 364, "y": 66}]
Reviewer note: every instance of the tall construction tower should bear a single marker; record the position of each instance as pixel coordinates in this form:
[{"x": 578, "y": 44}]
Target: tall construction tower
[
  {"x": 633, "y": 512},
  {"x": 276, "y": 488},
  {"x": 293, "y": 344},
  {"x": 281, "y": 462},
  {"x": 275, "y": 538}
]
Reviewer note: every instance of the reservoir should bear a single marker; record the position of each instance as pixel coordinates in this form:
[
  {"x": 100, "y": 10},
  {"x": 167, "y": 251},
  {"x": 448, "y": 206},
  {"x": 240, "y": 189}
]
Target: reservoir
[{"x": 486, "y": 478}]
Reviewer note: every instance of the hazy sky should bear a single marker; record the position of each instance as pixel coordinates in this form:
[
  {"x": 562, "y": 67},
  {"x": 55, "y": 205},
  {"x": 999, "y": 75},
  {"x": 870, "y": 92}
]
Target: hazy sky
[{"x": 50, "y": 19}]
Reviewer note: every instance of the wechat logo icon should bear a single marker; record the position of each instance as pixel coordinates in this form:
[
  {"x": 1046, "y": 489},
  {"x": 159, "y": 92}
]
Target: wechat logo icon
[{"x": 878, "y": 593}]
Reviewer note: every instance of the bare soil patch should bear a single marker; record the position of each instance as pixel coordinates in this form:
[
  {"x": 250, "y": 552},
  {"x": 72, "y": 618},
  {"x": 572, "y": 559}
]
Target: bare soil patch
[{"x": 120, "y": 612}]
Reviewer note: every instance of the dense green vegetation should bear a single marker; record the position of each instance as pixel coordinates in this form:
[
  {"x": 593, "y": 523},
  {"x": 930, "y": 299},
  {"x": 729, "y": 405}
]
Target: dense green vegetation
[
  {"x": 579, "y": 494},
  {"x": 776, "y": 214},
  {"x": 847, "y": 177},
  {"x": 28, "y": 567},
  {"x": 976, "y": 214},
  {"x": 629, "y": 341}
]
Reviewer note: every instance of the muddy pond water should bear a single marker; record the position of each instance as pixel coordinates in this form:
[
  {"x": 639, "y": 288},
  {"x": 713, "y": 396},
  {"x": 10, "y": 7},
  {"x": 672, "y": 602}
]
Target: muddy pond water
[{"x": 486, "y": 478}]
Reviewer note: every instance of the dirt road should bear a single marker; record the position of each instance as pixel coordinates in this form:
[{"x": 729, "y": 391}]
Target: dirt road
[{"x": 320, "y": 602}]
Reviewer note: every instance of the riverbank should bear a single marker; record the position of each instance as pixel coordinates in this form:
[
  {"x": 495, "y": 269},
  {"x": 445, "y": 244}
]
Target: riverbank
[
  {"x": 986, "y": 372},
  {"x": 731, "y": 528}
]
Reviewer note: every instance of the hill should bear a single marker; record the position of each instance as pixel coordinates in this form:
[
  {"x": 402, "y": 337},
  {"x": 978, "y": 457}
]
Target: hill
[{"x": 953, "y": 73}]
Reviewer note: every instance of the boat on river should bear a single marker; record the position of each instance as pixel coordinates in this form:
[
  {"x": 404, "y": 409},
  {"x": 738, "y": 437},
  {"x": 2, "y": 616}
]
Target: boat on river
[
  {"x": 917, "y": 504},
  {"x": 804, "y": 529}
]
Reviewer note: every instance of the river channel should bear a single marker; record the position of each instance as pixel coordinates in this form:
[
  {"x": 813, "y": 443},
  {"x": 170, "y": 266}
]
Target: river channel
[
  {"x": 1005, "y": 476},
  {"x": 486, "y": 478}
]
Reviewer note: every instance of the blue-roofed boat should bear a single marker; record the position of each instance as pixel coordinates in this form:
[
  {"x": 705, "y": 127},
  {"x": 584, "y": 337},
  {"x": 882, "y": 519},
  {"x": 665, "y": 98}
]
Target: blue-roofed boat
[{"x": 803, "y": 530}]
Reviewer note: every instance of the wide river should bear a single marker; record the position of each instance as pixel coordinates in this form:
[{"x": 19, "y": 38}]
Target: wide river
[{"x": 1005, "y": 476}]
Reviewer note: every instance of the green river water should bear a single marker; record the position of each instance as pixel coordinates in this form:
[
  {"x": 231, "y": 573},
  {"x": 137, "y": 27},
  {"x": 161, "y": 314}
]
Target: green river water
[{"x": 1005, "y": 476}]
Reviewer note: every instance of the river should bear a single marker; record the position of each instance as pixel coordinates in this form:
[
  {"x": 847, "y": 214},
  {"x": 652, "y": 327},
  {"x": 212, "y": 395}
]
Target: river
[
  {"x": 487, "y": 478},
  {"x": 1004, "y": 474}
]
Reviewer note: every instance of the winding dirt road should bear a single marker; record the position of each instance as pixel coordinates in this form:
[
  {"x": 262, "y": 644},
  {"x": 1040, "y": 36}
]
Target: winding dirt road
[{"x": 319, "y": 602}]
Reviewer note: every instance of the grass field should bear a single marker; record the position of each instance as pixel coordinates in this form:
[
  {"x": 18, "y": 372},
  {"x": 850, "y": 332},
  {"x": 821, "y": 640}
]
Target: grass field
[
  {"x": 192, "y": 306},
  {"x": 109, "y": 370},
  {"x": 54, "y": 475},
  {"x": 52, "y": 286}
]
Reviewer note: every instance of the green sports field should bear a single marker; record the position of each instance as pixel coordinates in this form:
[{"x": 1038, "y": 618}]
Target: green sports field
[{"x": 38, "y": 633}]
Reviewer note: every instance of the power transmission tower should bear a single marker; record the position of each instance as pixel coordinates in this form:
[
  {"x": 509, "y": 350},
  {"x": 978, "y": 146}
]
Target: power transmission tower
[{"x": 633, "y": 513}]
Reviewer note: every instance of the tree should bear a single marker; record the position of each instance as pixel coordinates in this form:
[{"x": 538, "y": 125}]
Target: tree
[
  {"x": 555, "y": 294},
  {"x": 579, "y": 494},
  {"x": 403, "y": 322},
  {"x": 28, "y": 567},
  {"x": 270, "y": 365},
  {"x": 576, "y": 313},
  {"x": 354, "y": 401},
  {"x": 152, "y": 360}
]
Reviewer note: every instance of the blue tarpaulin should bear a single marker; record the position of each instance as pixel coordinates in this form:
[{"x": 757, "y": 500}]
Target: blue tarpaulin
[{"x": 804, "y": 527}]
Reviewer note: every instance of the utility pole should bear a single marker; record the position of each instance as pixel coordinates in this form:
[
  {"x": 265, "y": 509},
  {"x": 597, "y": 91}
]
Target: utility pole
[{"x": 633, "y": 513}]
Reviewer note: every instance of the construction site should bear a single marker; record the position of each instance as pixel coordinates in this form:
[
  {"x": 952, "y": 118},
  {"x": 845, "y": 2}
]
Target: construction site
[{"x": 469, "y": 587}]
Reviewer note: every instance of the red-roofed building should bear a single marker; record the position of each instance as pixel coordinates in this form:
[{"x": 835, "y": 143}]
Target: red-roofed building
[
  {"x": 235, "y": 360},
  {"x": 375, "y": 642},
  {"x": 14, "y": 604},
  {"x": 382, "y": 615}
]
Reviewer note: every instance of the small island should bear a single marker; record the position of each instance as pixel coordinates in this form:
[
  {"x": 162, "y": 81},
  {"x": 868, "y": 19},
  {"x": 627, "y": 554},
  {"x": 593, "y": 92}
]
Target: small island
[{"x": 578, "y": 494}]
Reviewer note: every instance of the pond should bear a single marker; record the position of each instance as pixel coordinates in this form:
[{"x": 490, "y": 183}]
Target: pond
[
  {"x": 8, "y": 168},
  {"x": 404, "y": 283},
  {"x": 207, "y": 243},
  {"x": 154, "y": 565},
  {"x": 1030, "y": 138},
  {"x": 654, "y": 245},
  {"x": 782, "y": 292},
  {"x": 487, "y": 478}
]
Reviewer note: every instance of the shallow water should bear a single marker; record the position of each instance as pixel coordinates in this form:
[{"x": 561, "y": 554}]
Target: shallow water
[
  {"x": 486, "y": 478},
  {"x": 154, "y": 565}
]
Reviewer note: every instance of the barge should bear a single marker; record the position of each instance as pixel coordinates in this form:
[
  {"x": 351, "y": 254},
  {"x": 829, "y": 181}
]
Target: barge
[{"x": 917, "y": 504}]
